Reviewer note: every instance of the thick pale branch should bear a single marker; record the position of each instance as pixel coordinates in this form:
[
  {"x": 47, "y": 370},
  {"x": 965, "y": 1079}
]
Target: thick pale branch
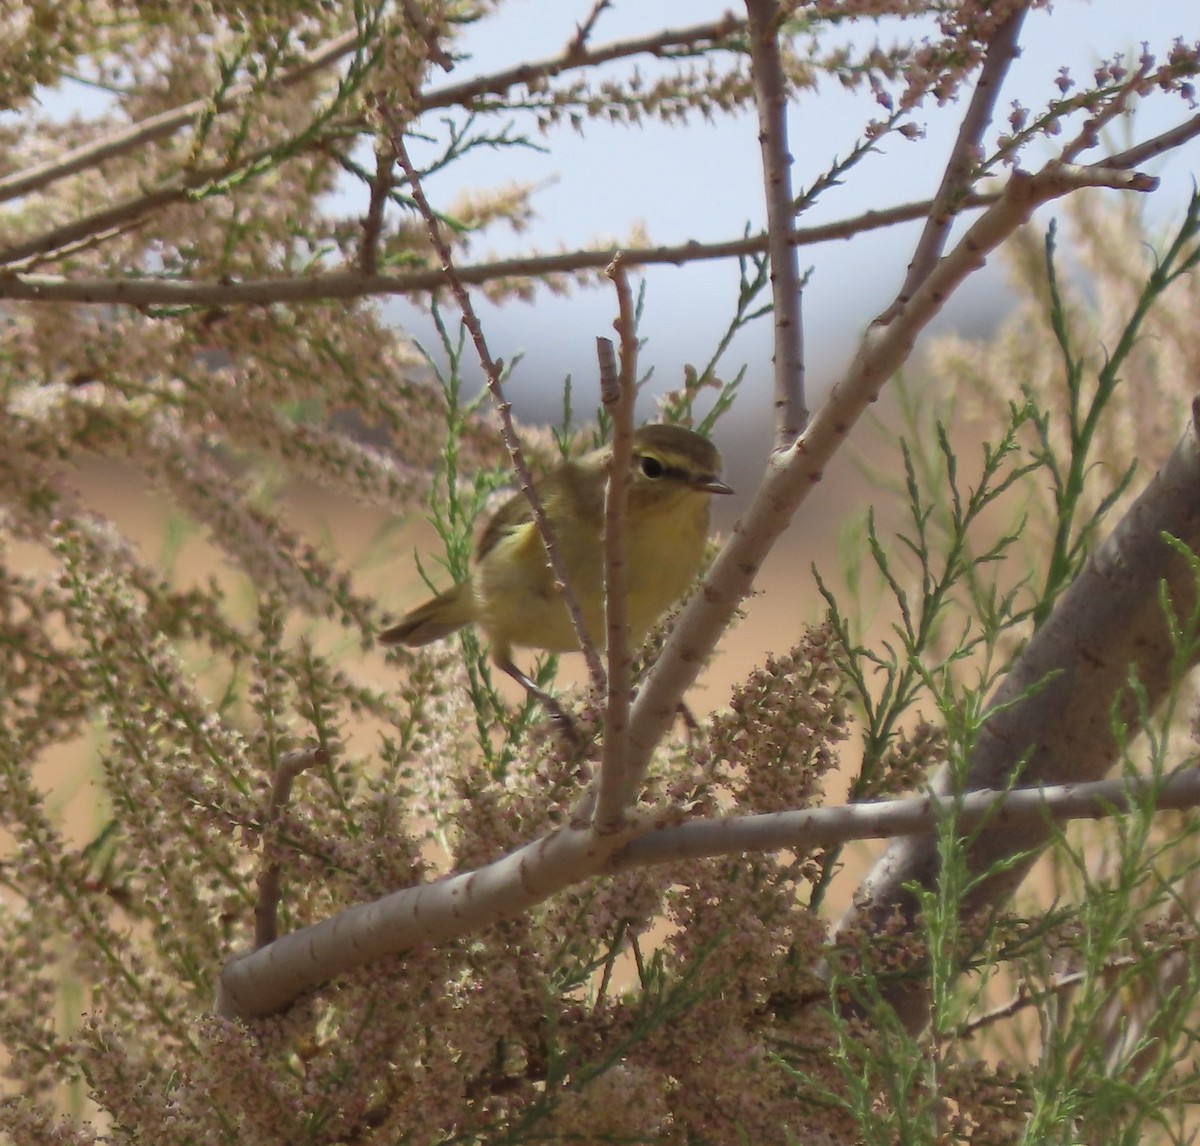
[
  {"x": 268, "y": 979},
  {"x": 1152, "y": 148},
  {"x": 1054, "y": 715},
  {"x": 792, "y": 473},
  {"x": 770, "y": 99},
  {"x": 805, "y": 831}
]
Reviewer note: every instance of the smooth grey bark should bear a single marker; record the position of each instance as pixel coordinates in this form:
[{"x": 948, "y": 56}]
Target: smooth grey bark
[{"x": 1055, "y": 708}]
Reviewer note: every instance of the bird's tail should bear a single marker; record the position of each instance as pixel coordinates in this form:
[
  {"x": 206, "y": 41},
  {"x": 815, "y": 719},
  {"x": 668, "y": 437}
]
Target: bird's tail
[{"x": 445, "y": 614}]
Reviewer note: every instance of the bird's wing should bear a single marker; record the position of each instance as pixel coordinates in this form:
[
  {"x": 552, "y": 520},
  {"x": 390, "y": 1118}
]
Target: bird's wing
[
  {"x": 567, "y": 494},
  {"x": 513, "y": 514}
]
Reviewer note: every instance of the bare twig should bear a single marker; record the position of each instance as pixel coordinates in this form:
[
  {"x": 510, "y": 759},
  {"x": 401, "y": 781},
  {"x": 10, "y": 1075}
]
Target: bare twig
[
  {"x": 270, "y": 879},
  {"x": 964, "y": 158},
  {"x": 712, "y": 32},
  {"x": 770, "y": 99},
  {"x": 1026, "y": 997},
  {"x": 610, "y": 379},
  {"x": 149, "y": 291},
  {"x": 492, "y": 373},
  {"x": 584, "y": 30},
  {"x": 267, "y": 980},
  {"x": 381, "y": 189},
  {"x": 436, "y": 52},
  {"x": 611, "y": 785}
]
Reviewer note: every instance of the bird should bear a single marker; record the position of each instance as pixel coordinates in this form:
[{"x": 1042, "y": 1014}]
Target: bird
[{"x": 511, "y": 593}]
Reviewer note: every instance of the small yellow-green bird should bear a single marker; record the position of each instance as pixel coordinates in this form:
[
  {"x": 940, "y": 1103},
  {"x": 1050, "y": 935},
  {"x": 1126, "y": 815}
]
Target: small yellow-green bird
[{"x": 510, "y": 593}]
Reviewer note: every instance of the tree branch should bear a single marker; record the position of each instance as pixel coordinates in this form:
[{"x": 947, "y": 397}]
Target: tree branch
[
  {"x": 964, "y": 157},
  {"x": 264, "y": 981},
  {"x": 270, "y": 883},
  {"x": 612, "y": 796},
  {"x": 167, "y": 123},
  {"x": 149, "y": 291},
  {"x": 120, "y": 217},
  {"x": 1055, "y": 712},
  {"x": 812, "y": 828},
  {"x": 373, "y": 220},
  {"x": 1152, "y": 148},
  {"x": 770, "y": 99},
  {"x": 572, "y": 58}
]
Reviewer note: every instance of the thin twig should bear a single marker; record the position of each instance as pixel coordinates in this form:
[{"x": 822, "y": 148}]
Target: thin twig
[
  {"x": 372, "y": 224},
  {"x": 436, "y": 52},
  {"x": 964, "y": 158},
  {"x": 1152, "y": 148},
  {"x": 770, "y": 100},
  {"x": 1026, "y": 997},
  {"x": 1088, "y": 135},
  {"x": 53, "y": 243},
  {"x": 492, "y": 370},
  {"x": 1131, "y": 1026},
  {"x": 584, "y": 30},
  {"x": 270, "y": 879},
  {"x": 149, "y": 291},
  {"x": 611, "y": 784},
  {"x": 712, "y": 33}
]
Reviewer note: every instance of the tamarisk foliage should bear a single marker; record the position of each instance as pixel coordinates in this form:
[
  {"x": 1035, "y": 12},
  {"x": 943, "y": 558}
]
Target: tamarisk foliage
[{"x": 323, "y": 897}]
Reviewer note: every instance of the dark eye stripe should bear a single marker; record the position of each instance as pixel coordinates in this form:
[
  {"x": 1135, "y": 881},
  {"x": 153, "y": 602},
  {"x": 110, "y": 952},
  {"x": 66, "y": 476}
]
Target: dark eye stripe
[{"x": 662, "y": 471}]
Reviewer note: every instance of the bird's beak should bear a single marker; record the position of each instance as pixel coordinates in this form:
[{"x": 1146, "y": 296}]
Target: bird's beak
[{"x": 711, "y": 485}]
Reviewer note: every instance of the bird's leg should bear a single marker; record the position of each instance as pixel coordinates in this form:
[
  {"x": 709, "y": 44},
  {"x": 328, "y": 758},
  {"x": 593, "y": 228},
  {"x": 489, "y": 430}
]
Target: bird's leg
[
  {"x": 558, "y": 714},
  {"x": 690, "y": 723}
]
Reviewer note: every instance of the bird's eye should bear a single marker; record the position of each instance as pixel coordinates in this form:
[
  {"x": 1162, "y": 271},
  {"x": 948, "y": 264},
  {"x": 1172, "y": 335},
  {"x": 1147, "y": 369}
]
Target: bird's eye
[{"x": 652, "y": 467}]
